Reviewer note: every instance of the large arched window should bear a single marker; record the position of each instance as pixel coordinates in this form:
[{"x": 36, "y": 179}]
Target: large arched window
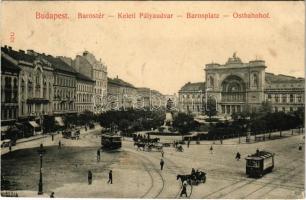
[{"x": 233, "y": 89}]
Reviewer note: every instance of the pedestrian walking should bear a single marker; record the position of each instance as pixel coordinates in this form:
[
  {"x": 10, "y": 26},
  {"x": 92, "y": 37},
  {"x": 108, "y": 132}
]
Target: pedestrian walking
[
  {"x": 162, "y": 153},
  {"x": 184, "y": 189},
  {"x": 300, "y": 147},
  {"x": 59, "y": 144},
  {"x": 110, "y": 177},
  {"x": 188, "y": 143},
  {"x": 211, "y": 149},
  {"x": 98, "y": 155},
  {"x": 161, "y": 164},
  {"x": 238, "y": 156},
  {"x": 89, "y": 177},
  {"x": 52, "y": 195},
  {"x": 52, "y": 136},
  {"x": 10, "y": 147}
]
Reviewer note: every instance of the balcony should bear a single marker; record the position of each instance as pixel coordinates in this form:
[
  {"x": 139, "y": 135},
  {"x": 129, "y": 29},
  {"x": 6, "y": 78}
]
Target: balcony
[
  {"x": 37, "y": 101},
  {"x": 233, "y": 97}
]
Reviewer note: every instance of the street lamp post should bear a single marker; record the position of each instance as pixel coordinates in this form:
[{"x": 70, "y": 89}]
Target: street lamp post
[
  {"x": 41, "y": 151},
  {"x": 248, "y": 136},
  {"x": 206, "y": 98}
]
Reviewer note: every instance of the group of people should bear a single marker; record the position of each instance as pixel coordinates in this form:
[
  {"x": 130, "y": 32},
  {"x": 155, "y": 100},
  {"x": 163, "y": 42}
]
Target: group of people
[
  {"x": 195, "y": 174},
  {"x": 139, "y": 137}
]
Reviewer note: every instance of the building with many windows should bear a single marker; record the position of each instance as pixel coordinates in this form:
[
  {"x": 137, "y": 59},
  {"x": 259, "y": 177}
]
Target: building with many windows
[
  {"x": 35, "y": 86},
  {"x": 191, "y": 98},
  {"x": 143, "y": 97},
  {"x": 84, "y": 93},
  {"x": 120, "y": 94},
  {"x": 9, "y": 91},
  {"x": 64, "y": 86},
  {"x": 285, "y": 93},
  {"x": 236, "y": 87},
  {"x": 89, "y": 66},
  {"x": 35, "y": 83}
]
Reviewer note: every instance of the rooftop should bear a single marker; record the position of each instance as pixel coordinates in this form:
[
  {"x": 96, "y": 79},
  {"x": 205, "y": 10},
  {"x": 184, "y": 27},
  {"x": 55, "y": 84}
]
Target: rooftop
[
  {"x": 281, "y": 78},
  {"x": 8, "y": 65},
  {"x": 119, "y": 82},
  {"x": 30, "y": 56},
  {"x": 199, "y": 86},
  {"x": 84, "y": 77}
]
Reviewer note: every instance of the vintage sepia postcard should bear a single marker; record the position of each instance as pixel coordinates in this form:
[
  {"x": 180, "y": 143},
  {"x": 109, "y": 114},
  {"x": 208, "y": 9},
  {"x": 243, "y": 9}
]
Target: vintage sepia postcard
[{"x": 153, "y": 99}]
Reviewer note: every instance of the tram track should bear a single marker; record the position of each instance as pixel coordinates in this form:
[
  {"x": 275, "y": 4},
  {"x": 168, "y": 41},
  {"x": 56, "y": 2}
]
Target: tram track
[
  {"x": 290, "y": 174},
  {"x": 151, "y": 180},
  {"x": 147, "y": 162},
  {"x": 175, "y": 169},
  {"x": 248, "y": 182}
]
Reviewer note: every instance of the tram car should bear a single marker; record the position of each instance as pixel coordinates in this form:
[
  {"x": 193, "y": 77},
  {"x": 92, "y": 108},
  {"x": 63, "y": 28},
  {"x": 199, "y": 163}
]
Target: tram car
[
  {"x": 259, "y": 163},
  {"x": 110, "y": 142}
]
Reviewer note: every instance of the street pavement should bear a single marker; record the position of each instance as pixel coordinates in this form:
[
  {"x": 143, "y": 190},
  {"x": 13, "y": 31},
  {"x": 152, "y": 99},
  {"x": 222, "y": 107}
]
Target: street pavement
[
  {"x": 137, "y": 174},
  {"x": 46, "y": 140}
]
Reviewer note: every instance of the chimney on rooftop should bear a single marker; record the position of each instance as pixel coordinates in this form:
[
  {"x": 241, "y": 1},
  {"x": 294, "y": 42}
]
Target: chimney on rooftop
[
  {"x": 21, "y": 51},
  {"x": 9, "y": 47},
  {"x": 85, "y": 53},
  {"x": 31, "y": 52}
]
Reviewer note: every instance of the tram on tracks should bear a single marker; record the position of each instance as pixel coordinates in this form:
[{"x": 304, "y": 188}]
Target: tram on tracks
[
  {"x": 259, "y": 163},
  {"x": 111, "y": 141}
]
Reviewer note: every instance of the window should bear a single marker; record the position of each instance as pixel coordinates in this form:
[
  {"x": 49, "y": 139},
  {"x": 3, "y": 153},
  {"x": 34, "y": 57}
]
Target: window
[
  {"x": 291, "y": 109},
  {"x": 299, "y": 98},
  {"x": 223, "y": 108},
  {"x": 284, "y": 97},
  {"x": 291, "y": 98},
  {"x": 269, "y": 96},
  {"x": 284, "y": 109},
  {"x": 276, "y": 98}
]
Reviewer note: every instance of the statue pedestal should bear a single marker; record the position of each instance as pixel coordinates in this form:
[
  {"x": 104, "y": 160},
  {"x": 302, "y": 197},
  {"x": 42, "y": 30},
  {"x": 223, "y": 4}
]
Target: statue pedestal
[{"x": 169, "y": 118}]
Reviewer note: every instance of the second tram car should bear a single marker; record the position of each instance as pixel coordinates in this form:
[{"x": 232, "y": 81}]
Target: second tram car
[
  {"x": 111, "y": 142},
  {"x": 259, "y": 163}
]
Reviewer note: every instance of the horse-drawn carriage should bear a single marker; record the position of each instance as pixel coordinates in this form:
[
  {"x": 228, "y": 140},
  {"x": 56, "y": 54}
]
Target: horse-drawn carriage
[
  {"x": 147, "y": 144},
  {"x": 194, "y": 178},
  {"x": 179, "y": 148},
  {"x": 71, "y": 134}
]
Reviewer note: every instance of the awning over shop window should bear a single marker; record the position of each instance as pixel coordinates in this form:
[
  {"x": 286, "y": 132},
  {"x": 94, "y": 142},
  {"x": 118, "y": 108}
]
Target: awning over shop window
[
  {"x": 59, "y": 121},
  {"x": 33, "y": 124}
]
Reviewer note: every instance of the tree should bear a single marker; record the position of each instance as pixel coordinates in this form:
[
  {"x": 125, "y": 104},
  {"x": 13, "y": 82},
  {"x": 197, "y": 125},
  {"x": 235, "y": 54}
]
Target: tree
[
  {"x": 265, "y": 107},
  {"x": 210, "y": 107},
  {"x": 299, "y": 115},
  {"x": 184, "y": 123},
  {"x": 70, "y": 119},
  {"x": 48, "y": 124},
  {"x": 124, "y": 125},
  {"x": 86, "y": 117}
]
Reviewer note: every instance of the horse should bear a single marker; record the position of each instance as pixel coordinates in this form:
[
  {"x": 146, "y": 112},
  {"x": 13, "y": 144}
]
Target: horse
[
  {"x": 186, "y": 177},
  {"x": 139, "y": 145},
  {"x": 201, "y": 176},
  {"x": 198, "y": 177},
  {"x": 179, "y": 148},
  {"x": 155, "y": 140}
]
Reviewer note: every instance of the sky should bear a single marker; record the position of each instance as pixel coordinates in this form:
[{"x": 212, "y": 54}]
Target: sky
[{"x": 162, "y": 54}]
